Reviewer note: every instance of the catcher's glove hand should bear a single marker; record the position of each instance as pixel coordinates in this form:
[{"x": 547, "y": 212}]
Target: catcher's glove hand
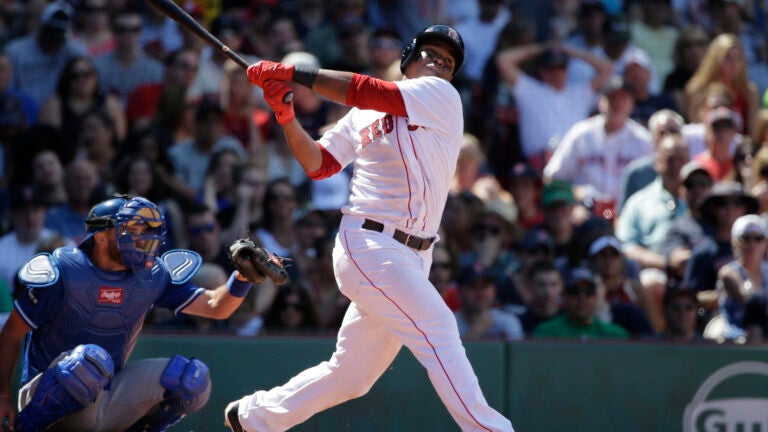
[{"x": 256, "y": 263}]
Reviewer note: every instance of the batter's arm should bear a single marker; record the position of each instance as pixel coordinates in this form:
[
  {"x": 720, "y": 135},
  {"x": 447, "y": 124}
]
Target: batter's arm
[{"x": 11, "y": 338}]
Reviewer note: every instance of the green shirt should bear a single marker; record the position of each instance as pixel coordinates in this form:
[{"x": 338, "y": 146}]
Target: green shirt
[{"x": 561, "y": 327}]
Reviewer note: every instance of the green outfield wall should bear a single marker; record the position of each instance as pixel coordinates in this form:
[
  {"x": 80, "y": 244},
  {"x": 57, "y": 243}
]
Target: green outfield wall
[{"x": 540, "y": 386}]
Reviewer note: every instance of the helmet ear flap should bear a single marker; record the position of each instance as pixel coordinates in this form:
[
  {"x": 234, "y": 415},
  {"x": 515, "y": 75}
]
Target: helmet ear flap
[{"x": 408, "y": 52}]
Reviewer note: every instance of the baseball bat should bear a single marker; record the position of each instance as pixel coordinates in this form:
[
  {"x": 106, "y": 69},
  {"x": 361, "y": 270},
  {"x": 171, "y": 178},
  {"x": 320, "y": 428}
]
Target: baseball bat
[{"x": 176, "y": 13}]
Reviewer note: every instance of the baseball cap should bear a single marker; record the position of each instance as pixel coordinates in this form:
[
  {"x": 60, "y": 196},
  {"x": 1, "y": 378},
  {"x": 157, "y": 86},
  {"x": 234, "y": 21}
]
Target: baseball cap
[
  {"x": 301, "y": 59},
  {"x": 471, "y": 273},
  {"x": 536, "y": 238},
  {"x": 616, "y": 83},
  {"x": 557, "y": 191},
  {"x": 553, "y": 57},
  {"x": 507, "y": 211},
  {"x": 616, "y": 29},
  {"x": 690, "y": 168},
  {"x": 673, "y": 293},
  {"x": 25, "y": 195},
  {"x": 748, "y": 224},
  {"x": 580, "y": 278},
  {"x": 589, "y": 7},
  {"x": 523, "y": 170},
  {"x": 727, "y": 189},
  {"x": 639, "y": 58},
  {"x": 604, "y": 242},
  {"x": 59, "y": 15},
  {"x": 722, "y": 113}
]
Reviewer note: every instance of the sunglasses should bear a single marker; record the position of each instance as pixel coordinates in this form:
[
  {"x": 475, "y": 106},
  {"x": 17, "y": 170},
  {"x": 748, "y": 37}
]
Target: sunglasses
[
  {"x": 679, "y": 307},
  {"x": 441, "y": 265},
  {"x": 384, "y": 43},
  {"x": 127, "y": 29},
  {"x": 751, "y": 238},
  {"x": 701, "y": 184},
  {"x": 196, "y": 230},
  {"x": 76, "y": 74},
  {"x": 730, "y": 202},
  {"x": 580, "y": 293},
  {"x": 293, "y": 305},
  {"x": 493, "y": 230}
]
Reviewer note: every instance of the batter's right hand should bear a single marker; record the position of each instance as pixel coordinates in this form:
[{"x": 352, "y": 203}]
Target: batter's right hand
[
  {"x": 264, "y": 70},
  {"x": 274, "y": 95}
]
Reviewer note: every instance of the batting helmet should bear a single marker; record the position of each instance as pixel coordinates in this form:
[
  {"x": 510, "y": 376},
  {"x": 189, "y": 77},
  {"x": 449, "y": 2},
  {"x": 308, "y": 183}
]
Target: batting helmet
[{"x": 435, "y": 32}]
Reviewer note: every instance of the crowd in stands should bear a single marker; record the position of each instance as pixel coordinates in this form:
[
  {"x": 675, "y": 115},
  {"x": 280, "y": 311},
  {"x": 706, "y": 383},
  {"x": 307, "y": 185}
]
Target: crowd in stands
[{"x": 612, "y": 182}]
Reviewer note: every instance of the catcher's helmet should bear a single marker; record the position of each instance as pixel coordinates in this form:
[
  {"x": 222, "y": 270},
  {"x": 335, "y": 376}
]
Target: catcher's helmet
[
  {"x": 435, "y": 32},
  {"x": 140, "y": 231},
  {"x": 102, "y": 215}
]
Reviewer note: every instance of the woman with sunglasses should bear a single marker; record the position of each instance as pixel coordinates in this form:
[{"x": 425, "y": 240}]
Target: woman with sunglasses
[{"x": 746, "y": 275}]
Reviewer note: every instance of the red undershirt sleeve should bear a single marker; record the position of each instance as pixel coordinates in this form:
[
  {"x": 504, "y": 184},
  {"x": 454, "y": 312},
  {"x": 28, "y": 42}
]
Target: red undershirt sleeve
[
  {"x": 370, "y": 93},
  {"x": 329, "y": 167}
]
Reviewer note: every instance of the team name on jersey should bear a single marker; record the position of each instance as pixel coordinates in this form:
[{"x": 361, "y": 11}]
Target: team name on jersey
[
  {"x": 379, "y": 128},
  {"x": 110, "y": 295}
]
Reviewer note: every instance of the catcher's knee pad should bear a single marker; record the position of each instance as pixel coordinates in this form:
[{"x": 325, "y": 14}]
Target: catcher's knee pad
[
  {"x": 67, "y": 387},
  {"x": 187, "y": 386}
]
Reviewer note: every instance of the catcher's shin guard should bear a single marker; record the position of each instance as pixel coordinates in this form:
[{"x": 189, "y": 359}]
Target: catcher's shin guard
[
  {"x": 67, "y": 387},
  {"x": 188, "y": 387}
]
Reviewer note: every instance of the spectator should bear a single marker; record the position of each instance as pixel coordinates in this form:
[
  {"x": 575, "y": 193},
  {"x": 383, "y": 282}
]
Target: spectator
[
  {"x": 470, "y": 165},
  {"x": 160, "y": 35},
  {"x": 38, "y": 59},
  {"x": 330, "y": 304},
  {"x": 723, "y": 63},
  {"x": 545, "y": 284},
  {"x": 461, "y": 212},
  {"x": 94, "y": 29},
  {"x": 560, "y": 213},
  {"x": 725, "y": 203},
  {"x": 323, "y": 42},
  {"x": 311, "y": 226},
  {"x": 746, "y": 275},
  {"x": 277, "y": 232},
  {"x": 690, "y": 46},
  {"x": 653, "y": 34},
  {"x": 203, "y": 233},
  {"x": 680, "y": 314},
  {"x": 248, "y": 212},
  {"x": 536, "y": 245},
  {"x": 722, "y": 125},
  {"x": 78, "y": 94},
  {"x": 218, "y": 192},
  {"x": 494, "y": 235},
  {"x": 687, "y": 231},
  {"x": 442, "y": 275},
  {"x": 617, "y": 47},
  {"x": 477, "y": 318},
  {"x": 524, "y": 183},
  {"x": 27, "y": 232},
  {"x": 641, "y": 172},
  {"x": 82, "y": 183},
  {"x": 292, "y": 312},
  {"x": 126, "y": 67},
  {"x": 648, "y": 214},
  {"x": 637, "y": 74},
  {"x": 541, "y": 130},
  {"x": 386, "y": 47},
  {"x": 481, "y": 32},
  {"x": 760, "y": 179},
  {"x": 48, "y": 177},
  {"x": 228, "y": 29},
  {"x": 98, "y": 143},
  {"x": 353, "y": 41},
  {"x": 192, "y": 157},
  {"x": 29, "y": 108},
  {"x": 241, "y": 112},
  {"x": 588, "y": 36},
  {"x": 621, "y": 299},
  {"x": 180, "y": 69},
  {"x": 579, "y": 320},
  {"x": 595, "y": 151}
]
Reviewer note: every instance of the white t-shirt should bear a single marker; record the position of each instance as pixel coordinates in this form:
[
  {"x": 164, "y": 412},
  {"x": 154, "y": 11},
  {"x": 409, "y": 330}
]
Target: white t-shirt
[
  {"x": 587, "y": 156},
  {"x": 402, "y": 166},
  {"x": 546, "y": 113}
]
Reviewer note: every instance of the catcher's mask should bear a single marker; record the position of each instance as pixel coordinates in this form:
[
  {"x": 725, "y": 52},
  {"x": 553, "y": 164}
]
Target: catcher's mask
[
  {"x": 434, "y": 32},
  {"x": 140, "y": 231}
]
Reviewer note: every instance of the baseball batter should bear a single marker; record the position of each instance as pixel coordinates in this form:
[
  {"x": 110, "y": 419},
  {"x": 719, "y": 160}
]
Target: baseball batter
[
  {"x": 79, "y": 312},
  {"x": 403, "y": 139}
]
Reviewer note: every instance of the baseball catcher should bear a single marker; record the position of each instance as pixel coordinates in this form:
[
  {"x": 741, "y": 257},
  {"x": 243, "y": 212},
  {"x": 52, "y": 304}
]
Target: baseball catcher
[{"x": 256, "y": 263}]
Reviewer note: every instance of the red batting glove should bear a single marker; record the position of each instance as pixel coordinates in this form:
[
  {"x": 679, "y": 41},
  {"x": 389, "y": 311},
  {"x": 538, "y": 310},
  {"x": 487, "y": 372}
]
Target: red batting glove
[
  {"x": 264, "y": 70},
  {"x": 274, "y": 95}
]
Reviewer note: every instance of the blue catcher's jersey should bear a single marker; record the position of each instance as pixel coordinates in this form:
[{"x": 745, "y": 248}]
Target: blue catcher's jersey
[{"x": 68, "y": 301}]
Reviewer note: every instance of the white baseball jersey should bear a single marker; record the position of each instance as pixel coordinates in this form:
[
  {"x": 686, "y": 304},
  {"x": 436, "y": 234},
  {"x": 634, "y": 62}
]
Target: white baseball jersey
[
  {"x": 403, "y": 166},
  {"x": 587, "y": 156}
]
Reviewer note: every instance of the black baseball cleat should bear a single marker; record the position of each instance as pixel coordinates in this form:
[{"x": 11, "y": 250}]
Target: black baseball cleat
[{"x": 234, "y": 421}]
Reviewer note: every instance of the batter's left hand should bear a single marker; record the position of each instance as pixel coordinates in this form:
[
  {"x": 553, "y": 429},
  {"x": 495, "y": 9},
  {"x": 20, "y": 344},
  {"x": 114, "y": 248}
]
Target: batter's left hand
[
  {"x": 264, "y": 70},
  {"x": 275, "y": 95}
]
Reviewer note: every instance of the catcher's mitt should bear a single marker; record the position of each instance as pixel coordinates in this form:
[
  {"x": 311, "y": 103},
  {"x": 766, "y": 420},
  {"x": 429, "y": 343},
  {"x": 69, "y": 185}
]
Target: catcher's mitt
[{"x": 256, "y": 263}]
